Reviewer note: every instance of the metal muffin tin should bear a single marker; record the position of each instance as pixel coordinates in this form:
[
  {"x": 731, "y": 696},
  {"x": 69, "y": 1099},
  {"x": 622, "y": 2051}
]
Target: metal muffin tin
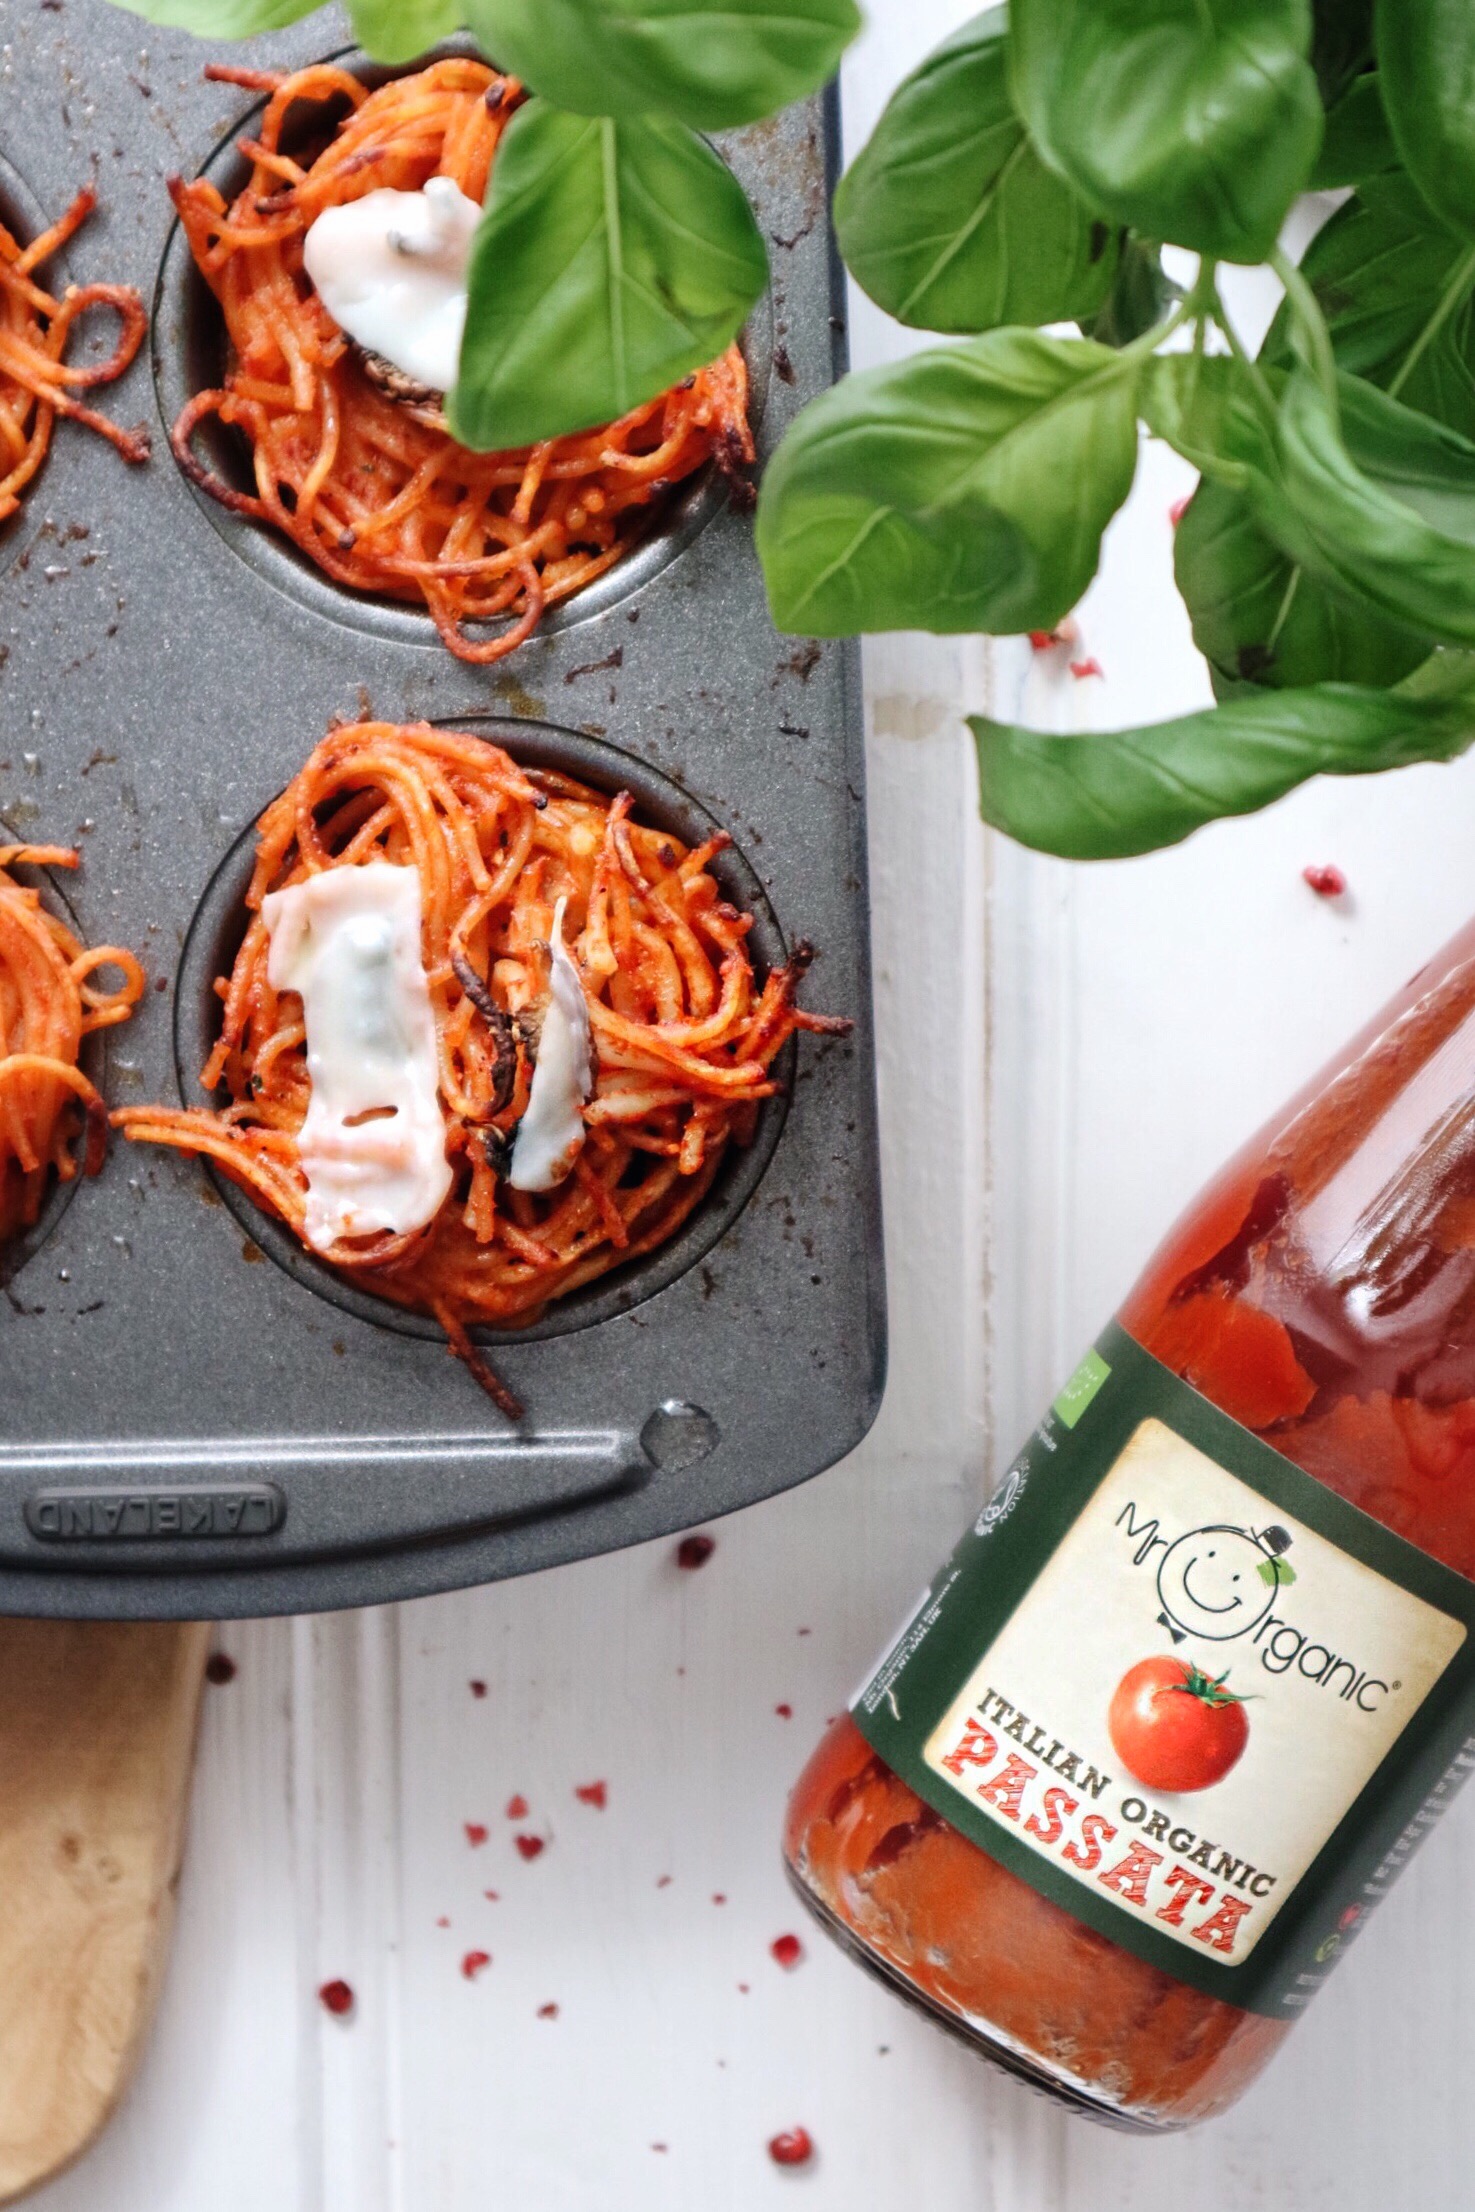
[{"x": 195, "y": 1417}]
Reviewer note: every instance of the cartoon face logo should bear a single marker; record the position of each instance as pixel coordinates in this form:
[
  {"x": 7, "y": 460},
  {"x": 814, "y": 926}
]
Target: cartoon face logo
[{"x": 1218, "y": 1582}]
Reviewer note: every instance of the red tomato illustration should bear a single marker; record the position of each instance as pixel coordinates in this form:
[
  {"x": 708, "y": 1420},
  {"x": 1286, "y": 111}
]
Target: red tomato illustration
[{"x": 1174, "y": 1727}]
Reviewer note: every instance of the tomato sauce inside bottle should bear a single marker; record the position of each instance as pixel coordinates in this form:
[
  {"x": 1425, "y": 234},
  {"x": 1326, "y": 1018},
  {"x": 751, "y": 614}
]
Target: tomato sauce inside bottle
[{"x": 1322, "y": 1293}]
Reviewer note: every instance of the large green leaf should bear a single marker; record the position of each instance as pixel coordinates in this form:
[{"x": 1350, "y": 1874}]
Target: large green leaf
[
  {"x": 400, "y": 30},
  {"x": 949, "y": 219},
  {"x": 1130, "y": 791},
  {"x": 1394, "y": 525},
  {"x": 1206, "y": 408},
  {"x": 1259, "y": 619},
  {"x": 613, "y": 259},
  {"x": 711, "y": 62},
  {"x": 1192, "y": 122},
  {"x": 1426, "y": 60},
  {"x": 1386, "y": 272},
  {"x": 963, "y": 489},
  {"x": 1372, "y": 498},
  {"x": 222, "y": 18}
]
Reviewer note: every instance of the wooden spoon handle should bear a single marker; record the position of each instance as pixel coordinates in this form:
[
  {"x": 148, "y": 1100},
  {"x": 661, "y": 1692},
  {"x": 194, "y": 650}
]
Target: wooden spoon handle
[{"x": 97, "y": 1729}]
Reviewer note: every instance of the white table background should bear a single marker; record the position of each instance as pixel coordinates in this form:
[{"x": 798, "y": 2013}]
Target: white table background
[{"x": 1065, "y": 1054}]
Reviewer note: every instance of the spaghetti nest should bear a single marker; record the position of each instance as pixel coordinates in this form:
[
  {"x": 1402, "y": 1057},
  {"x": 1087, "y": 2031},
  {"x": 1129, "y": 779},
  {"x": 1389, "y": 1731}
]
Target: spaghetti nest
[
  {"x": 369, "y": 485},
  {"x": 48, "y": 1003},
  {"x": 36, "y": 384},
  {"x": 684, "y": 1033}
]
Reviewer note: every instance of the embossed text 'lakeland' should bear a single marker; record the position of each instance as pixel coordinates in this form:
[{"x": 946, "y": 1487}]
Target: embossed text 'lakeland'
[{"x": 111, "y": 1516}]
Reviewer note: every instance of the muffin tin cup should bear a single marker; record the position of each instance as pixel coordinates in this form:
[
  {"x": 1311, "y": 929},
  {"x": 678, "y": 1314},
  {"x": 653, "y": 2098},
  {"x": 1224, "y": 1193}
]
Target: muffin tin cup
[
  {"x": 215, "y": 937},
  {"x": 189, "y": 1429},
  {"x": 190, "y": 355}
]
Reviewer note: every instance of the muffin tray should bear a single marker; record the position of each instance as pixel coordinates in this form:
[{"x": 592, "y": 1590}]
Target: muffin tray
[{"x": 196, "y": 1417}]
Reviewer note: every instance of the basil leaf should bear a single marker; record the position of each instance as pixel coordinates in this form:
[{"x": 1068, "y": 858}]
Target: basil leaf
[
  {"x": 1205, "y": 407},
  {"x": 1426, "y": 58},
  {"x": 712, "y": 63},
  {"x": 1104, "y": 797},
  {"x": 1257, "y": 616},
  {"x": 965, "y": 488},
  {"x": 1192, "y": 123},
  {"x": 222, "y": 18},
  {"x": 1141, "y": 295},
  {"x": 948, "y": 218},
  {"x": 612, "y": 260},
  {"x": 1371, "y": 497},
  {"x": 1259, "y": 619},
  {"x": 1396, "y": 524},
  {"x": 1358, "y": 142},
  {"x": 402, "y": 30},
  {"x": 1384, "y": 270}
]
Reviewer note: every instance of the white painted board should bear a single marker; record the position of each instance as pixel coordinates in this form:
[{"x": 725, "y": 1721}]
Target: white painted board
[{"x": 1065, "y": 1054}]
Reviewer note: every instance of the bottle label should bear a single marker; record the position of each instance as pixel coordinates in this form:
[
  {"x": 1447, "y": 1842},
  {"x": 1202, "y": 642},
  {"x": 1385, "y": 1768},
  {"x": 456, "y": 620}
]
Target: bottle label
[{"x": 1183, "y": 1689}]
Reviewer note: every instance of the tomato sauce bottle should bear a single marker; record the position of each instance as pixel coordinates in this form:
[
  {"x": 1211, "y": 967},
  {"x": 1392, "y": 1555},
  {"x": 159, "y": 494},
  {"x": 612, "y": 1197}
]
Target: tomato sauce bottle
[{"x": 1201, "y": 1675}]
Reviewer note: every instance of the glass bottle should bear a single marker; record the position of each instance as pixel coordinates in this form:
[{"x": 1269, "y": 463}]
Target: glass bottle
[{"x": 1320, "y": 1294}]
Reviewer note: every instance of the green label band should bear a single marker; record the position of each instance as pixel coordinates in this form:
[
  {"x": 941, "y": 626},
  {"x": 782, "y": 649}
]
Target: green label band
[{"x": 1183, "y": 1689}]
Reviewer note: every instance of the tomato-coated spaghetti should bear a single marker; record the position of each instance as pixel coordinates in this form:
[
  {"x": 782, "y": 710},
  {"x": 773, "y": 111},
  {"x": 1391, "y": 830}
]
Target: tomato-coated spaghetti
[
  {"x": 372, "y": 488},
  {"x": 684, "y": 1032},
  {"x": 36, "y": 383},
  {"x": 49, "y": 1001}
]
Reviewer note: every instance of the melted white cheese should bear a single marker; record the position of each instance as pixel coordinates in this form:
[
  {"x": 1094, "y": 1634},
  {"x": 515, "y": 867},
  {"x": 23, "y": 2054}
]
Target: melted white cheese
[
  {"x": 552, "y": 1130},
  {"x": 348, "y": 941},
  {"x": 390, "y": 269}
]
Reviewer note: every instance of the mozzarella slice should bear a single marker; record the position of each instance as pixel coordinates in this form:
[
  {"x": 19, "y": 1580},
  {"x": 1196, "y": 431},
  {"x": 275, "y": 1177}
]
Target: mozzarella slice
[
  {"x": 391, "y": 269},
  {"x": 373, "y": 1146},
  {"x": 551, "y": 1132}
]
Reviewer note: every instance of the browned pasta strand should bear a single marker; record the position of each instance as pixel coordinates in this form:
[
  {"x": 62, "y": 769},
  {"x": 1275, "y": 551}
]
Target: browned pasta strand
[
  {"x": 36, "y": 382},
  {"x": 49, "y": 1001}
]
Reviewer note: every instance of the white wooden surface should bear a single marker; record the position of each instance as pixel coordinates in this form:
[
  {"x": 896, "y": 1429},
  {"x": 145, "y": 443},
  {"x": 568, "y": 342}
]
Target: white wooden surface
[{"x": 1065, "y": 1054}]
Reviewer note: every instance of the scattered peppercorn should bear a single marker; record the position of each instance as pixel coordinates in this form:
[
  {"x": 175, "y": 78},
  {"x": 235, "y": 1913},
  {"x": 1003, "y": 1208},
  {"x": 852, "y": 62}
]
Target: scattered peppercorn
[
  {"x": 478, "y": 1689},
  {"x": 787, "y": 1949},
  {"x": 474, "y": 1962},
  {"x": 592, "y": 1793},
  {"x": 517, "y": 1808},
  {"x": 476, "y": 1833},
  {"x": 337, "y": 1998},
  {"x": 793, "y": 2148},
  {"x": 220, "y": 1667},
  {"x": 695, "y": 1551},
  {"x": 531, "y": 1847},
  {"x": 785, "y": 1712},
  {"x": 547, "y": 2012},
  {"x": 1327, "y": 882}
]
